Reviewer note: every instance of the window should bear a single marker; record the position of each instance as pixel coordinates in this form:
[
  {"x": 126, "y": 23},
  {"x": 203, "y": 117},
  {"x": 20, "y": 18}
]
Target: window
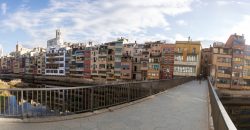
[
  {"x": 224, "y": 70},
  {"x": 215, "y": 50},
  {"x": 135, "y": 68},
  {"x": 236, "y": 74},
  {"x": 246, "y": 72},
  {"x": 61, "y": 71},
  {"x": 223, "y": 81},
  {"x": 178, "y": 57},
  {"x": 193, "y": 50},
  {"x": 185, "y": 69},
  {"x": 179, "y": 50},
  {"x": 192, "y": 58},
  {"x": 247, "y": 62},
  {"x": 237, "y": 59},
  {"x": 224, "y": 60}
]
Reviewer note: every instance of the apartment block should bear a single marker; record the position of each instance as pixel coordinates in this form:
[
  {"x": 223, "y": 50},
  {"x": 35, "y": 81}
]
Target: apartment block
[
  {"x": 137, "y": 61},
  {"x": 102, "y": 62},
  {"x": 155, "y": 54},
  {"x": 230, "y": 68},
  {"x": 114, "y": 57},
  {"x": 167, "y": 61},
  {"x": 246, "y": 68},
  {"x": 221, "y": 65},
  {"x": 206, "y": 61},
  {"x": 237, "y": 43},
  {"x": 94, "y": 62},
  {"x": 57, "y": 57},
  {"x": 187, "y": 58},
  {"x": 80, "y": 61},
  {"x": 7, "y": 66},
  {"x": 41, "y": 63},
  {"x": 145, "y": 61},
  {"x": 126, "y": 67},
  {"x": 127, "y": 61}
]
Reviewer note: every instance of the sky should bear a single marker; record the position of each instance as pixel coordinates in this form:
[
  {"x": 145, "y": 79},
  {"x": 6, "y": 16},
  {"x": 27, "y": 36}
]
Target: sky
[{"x": 32, "y": 22}]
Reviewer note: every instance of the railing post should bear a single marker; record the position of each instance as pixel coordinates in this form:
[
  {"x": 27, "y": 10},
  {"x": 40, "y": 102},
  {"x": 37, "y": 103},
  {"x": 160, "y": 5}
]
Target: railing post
[
  {"x": 129, "y": 93},
  {"x": 92, "y": 99},
  {"x": 151, "y": 88},
  {"x": 22, "y": 101}
]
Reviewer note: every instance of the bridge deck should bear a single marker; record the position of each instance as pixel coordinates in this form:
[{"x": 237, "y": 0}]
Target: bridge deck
[{"x": 181, "y": 108}]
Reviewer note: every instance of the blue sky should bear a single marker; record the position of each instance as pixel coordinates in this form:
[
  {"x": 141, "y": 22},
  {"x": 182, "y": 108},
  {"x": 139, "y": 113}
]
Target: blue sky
[{"x": 33, "y": 22}]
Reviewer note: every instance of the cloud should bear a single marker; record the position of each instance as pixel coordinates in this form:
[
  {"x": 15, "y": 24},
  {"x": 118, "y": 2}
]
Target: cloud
[
  {"x": 182, "y": 23},
  {"x": 97, "y": 20},
  {"x": 222, "y": 2},
  {"x": 243, "y": 27},
  {"x": 4, "y": 8},
  {"x": 232, "y": 2},
  {"x": 180, "y": 37}
]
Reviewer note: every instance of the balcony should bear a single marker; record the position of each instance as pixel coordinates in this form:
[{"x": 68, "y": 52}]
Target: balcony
[
  {"x": 192, "y": 53},
  {"x": 102, "y": 69},
  {"x": 186, "y": 63},
  {"x": 178, "y": 52},
  {"x": 222, "y": 75},
  {"x": 224, "y": 64},
  {"x": 144, "y": 68},
  {"x": 118, "y": 53},
  {"x": 144, "y": 59},
  {"x": 155, "y": 55},
  {"x": 77, "y": 75},
  {"x": 102, "y": 54},
  {"x": 110, "y": 71}
]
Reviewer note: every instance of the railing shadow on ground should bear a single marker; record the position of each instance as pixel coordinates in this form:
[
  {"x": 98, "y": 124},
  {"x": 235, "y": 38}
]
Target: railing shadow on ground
[
  {"x": 44, "y": 102},
  {"x": 221, "y": 119}
]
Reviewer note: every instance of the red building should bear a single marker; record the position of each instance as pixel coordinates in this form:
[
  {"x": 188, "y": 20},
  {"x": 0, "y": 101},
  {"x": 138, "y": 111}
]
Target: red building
[
  {"x": 80, "y": 61},
  {"x": 167, "y": 62},
  {"x": 87, "y": 63}
]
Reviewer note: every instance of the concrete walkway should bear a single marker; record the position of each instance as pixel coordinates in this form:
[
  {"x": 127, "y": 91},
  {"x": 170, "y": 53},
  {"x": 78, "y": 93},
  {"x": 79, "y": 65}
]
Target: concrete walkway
[{"x": 181, "y": 108}]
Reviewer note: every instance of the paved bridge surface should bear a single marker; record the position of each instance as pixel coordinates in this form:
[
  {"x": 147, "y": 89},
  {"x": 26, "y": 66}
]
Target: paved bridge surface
[{"x": 184, "y": 107}]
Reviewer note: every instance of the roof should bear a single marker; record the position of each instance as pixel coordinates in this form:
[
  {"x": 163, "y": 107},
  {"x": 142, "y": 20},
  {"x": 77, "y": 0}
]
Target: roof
[{"x": 188, "y": 42}]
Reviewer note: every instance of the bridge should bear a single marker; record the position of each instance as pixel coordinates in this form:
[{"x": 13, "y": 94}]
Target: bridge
[{"x": 154, "y": 105}]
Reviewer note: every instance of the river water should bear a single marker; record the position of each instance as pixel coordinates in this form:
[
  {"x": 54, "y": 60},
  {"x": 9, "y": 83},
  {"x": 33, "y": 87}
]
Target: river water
[{"x": 239, "y": 111}]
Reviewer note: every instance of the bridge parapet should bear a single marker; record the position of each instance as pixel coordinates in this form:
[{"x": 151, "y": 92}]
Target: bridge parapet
[
  {"x": 221, "y": 119},
  {"x": 43, "y": 102}
]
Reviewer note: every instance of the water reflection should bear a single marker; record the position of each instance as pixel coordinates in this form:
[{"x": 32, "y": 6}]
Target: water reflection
[{"x": 239, "y": 111}]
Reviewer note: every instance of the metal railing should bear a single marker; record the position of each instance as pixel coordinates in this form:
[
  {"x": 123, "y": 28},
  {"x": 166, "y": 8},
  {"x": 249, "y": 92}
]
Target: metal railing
[
  {"x": 221, "y": 119},
  {"x": 60, "y": 101}
]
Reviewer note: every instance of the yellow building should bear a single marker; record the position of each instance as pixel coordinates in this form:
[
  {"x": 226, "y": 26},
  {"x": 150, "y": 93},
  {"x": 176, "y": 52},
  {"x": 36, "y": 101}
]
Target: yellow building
[{"x": 187, "y": 58}]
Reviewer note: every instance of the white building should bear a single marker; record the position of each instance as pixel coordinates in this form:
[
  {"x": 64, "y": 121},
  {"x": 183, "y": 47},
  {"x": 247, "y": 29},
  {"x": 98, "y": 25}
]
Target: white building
[{"x": 56, "y": 53}]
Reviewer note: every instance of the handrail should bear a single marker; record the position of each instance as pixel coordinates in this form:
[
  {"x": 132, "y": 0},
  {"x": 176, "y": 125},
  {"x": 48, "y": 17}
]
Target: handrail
[{"x": 221, "y": 119}]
